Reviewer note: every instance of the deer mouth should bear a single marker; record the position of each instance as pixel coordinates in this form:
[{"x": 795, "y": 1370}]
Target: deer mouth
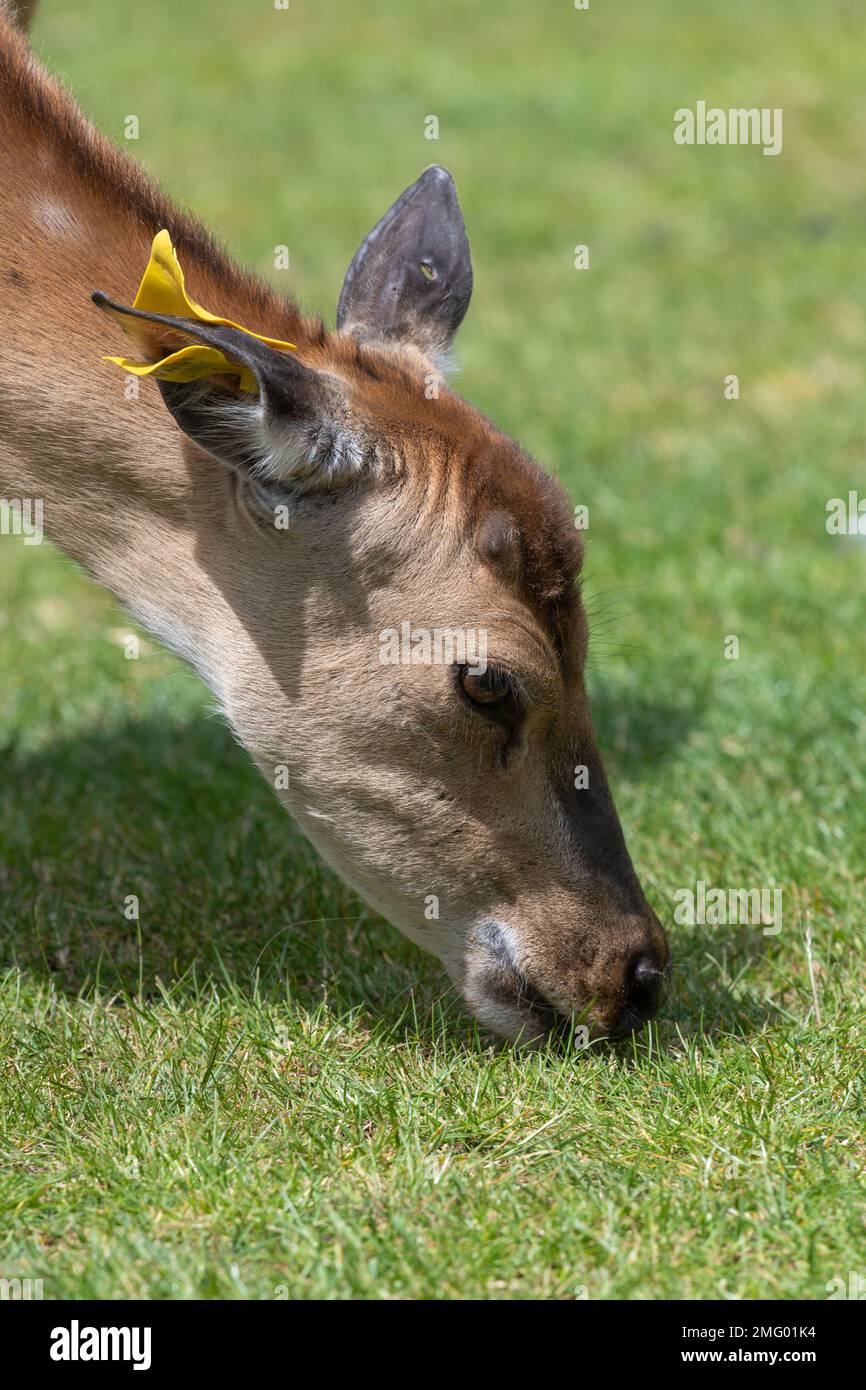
[
  {"x": 536, "y": 1009},
  {"x": 501, "y": 997},
  {"x": 528, "y": 1017}
]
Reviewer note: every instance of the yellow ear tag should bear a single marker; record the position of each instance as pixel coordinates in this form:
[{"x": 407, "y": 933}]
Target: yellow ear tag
[{"x": 163, "y": 291}]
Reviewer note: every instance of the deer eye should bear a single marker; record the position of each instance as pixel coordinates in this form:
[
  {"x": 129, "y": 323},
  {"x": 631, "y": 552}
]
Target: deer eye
[{"x": 492, "y": 692}]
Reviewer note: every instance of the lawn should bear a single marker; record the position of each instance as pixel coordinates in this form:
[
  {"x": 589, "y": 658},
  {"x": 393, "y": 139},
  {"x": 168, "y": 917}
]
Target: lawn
[{"x": 259, "y": 1090}]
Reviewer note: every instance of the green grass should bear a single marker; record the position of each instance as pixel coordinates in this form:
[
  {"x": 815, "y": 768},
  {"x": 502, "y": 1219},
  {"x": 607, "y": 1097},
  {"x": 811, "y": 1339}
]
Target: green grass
[{"x": 260, "y": 1090}]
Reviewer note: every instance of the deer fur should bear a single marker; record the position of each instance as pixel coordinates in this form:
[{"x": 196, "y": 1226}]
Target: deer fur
[{"x": 402, "y": 505}]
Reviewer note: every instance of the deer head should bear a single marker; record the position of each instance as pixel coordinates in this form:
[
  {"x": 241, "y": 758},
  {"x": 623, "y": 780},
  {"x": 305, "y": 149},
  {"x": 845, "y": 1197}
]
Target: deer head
[{"x": 407, "y": 639}]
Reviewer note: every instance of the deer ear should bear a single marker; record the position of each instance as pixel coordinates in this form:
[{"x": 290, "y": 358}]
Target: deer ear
[
  {"x": 253, "y": 406},
  {"x": 411, "y": 279}
]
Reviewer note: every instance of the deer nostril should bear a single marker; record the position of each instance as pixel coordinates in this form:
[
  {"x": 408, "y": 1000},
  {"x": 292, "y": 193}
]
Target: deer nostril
[{"x": 643, "y": 992}]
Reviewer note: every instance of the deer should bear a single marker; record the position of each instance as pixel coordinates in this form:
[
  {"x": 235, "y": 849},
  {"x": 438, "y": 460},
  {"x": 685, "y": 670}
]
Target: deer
[{"x": 444, "y": 792}]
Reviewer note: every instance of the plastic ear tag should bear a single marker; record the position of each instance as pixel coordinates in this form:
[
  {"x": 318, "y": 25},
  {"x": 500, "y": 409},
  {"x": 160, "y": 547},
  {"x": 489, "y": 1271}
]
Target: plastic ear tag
[{"x": 163, "y": 291}]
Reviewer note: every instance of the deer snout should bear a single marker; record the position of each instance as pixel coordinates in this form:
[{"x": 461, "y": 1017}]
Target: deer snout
[
  {"x": 645, "y": 984},
  {"x": 530, "y": 994},
  {"x": 613, "y": 973},
  {"x": 631, "y": 972}
]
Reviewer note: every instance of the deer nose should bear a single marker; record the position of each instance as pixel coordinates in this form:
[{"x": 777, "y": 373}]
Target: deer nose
[{"x": 645, "y": 985}]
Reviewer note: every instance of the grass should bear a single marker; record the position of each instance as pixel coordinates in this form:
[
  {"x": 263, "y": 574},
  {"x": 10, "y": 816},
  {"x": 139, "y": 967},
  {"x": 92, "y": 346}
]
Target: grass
[{"x": 259, "y": 1090}]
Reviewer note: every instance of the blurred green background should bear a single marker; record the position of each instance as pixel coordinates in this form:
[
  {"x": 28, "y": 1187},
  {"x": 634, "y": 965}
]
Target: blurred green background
[{"x": 230, "y": 1103}]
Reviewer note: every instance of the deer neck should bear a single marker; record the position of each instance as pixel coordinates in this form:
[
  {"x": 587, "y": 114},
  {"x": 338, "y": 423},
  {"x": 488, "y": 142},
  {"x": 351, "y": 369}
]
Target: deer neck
[{"x": 118, "y": 486}]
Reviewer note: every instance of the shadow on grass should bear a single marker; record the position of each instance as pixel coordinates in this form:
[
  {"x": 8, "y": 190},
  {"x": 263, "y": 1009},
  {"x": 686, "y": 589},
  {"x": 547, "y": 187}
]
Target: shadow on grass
[
  {"x": 173, "y": 814},
  {"x": 637, "y": 732},
  {"x": 708, "y": 996},
  {"x": 173, "y": 818}
]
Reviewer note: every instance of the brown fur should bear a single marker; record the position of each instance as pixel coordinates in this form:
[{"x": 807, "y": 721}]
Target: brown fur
[
  {"x": 493, "y": 473},
  {"x": 404, "y": 790}
]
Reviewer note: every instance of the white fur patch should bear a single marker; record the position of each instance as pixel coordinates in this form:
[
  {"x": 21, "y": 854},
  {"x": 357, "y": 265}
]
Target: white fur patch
[
  {"x": 55, "y": 218},
  {"x": 326, "y": 452}
]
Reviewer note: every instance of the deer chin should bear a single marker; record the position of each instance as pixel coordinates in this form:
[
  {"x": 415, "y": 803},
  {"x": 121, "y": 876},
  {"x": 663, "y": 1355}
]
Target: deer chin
[
  {"x": 501, "y": 996},
  {"x": 506, "y": 1003}
]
